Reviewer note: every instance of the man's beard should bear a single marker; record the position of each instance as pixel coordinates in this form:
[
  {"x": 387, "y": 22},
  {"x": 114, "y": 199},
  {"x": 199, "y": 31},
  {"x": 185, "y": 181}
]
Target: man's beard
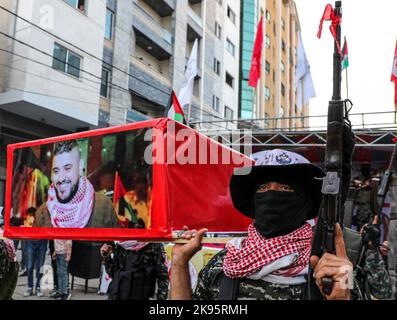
[{"x": 73, "y": 192}]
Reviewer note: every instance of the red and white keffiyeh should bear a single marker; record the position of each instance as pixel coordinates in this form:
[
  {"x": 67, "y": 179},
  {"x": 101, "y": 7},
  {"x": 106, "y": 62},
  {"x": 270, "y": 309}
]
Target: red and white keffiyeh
[
  {"x": 9, "y": 245},
  {"x": 132, "y": 245},
  {"x": 257, "y": 252},
  {"x": 77, "y": 212}
]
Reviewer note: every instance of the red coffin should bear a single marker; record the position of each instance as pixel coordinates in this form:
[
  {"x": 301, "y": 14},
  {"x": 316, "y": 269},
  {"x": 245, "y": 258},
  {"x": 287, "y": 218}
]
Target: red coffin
[{"x": 186, "y": 181}]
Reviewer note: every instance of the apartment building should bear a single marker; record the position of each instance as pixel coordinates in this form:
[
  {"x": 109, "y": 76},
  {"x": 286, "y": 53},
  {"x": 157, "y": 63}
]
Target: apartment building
[
  {"x": 73, "y": 65},
  {"x": 159, "y": 47},
  {"x": 276, "y": 94}
]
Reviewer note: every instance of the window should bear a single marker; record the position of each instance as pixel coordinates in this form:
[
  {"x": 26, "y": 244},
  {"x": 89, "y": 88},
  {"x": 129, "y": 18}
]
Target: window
[
  {"x": 78, "y": 4},
  {"x": 218, "y": 30},
  {"x": 282, "y": 45},
  {"x": 109, "y": 24},
  {"x": 282, "y": 66},
  {"x": 231, "y": 15},
  {"x": 215, "y": 103},
  {"x": 66, "y": 61},
  {"x": 267, "y": 93},
  {"x": 267, "y": 67},
  {"x": 267, "y": 41},
  {"x": 229, "y": 80},
  {"x": 228, "y": 113},
  {"x": 230, "y": 47},
  {"x": 217, "y": 66},
  {"x": 283, "y": 90},
  {"x": 268, "y": 16},
  {"x": 105, "y": 82}
]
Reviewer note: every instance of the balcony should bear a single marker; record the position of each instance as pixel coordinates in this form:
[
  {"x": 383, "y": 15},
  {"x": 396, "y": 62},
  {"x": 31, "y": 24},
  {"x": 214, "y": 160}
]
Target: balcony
[
  {"x": 194, "y": 17},
  {"x": 193, "y": 2},
  {"x": 151, "y": 36},
  {"x": 193, "y": 33},
  {"x": 163, "y": 7},
  {"x": 136, "y": 116}
]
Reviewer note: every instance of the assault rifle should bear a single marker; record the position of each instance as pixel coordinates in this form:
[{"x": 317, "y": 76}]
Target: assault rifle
[
  {"x": 332, "y": 186},
  {"x": 339, "y": 147}
]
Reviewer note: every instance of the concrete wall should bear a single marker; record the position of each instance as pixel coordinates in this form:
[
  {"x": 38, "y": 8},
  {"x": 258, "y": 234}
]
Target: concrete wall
[
  {"x": 124, "y": 44},
  {"x": 72, "y": 97},
  {"x": 231, "y": 63},
  {"x": 7, "y": 25}
]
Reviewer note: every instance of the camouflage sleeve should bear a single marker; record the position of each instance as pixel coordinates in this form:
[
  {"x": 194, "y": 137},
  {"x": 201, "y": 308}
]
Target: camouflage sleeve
[
  {"x": 162, "y": 272},
  {"x": 378, "y": 279},
  {"x": 208, "y": 284}
]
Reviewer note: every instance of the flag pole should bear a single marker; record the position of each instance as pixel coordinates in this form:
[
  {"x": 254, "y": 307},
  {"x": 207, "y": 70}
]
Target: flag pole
[
  {"x": 347, "y": 85},
  {"x": 253, "y": 106},
  {"x": 188, "y": 113}
]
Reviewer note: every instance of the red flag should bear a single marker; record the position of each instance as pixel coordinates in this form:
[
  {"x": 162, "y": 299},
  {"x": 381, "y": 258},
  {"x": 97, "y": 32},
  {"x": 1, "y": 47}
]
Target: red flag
[
  {"x": 329, "y": 15},
  {"x": 255, "y": 72},
  {"x": 175, "y": 110},
  {"x": 177, "y": 106},
  {"x": 394, "y": 75},
  {"x": 119, "y": 190}
]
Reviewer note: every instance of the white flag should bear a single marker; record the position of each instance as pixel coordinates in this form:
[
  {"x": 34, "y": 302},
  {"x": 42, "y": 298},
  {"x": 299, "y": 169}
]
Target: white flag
[
  {"x": 186, "y": 92},
  {"x": 304, "y": 80}
]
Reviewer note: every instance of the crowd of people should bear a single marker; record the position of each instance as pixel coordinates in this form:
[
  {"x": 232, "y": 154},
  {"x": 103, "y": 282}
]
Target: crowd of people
[{"x": 282, "y": 194}]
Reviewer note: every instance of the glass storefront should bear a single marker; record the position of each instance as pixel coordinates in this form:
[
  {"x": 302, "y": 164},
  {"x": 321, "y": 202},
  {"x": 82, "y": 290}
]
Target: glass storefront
[{"x": 249, "y": 14}]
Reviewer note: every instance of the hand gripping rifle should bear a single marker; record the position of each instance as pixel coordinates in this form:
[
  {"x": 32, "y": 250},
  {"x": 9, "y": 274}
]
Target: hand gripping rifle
[{"x": 337, "y": 164}]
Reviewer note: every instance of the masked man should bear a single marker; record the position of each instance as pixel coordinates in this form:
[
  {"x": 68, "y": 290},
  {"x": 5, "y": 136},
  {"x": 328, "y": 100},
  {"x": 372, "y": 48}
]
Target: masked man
[
  {"x": 72, "y": 201},
  {"x": 281, "y": 194}
]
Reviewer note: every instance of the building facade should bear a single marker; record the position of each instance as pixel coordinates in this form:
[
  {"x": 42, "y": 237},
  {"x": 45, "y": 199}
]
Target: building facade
[
  {"x": 74, "y": 65},
  {"x": 275, "y": 96},
  {"x": 159, "y": 47}
]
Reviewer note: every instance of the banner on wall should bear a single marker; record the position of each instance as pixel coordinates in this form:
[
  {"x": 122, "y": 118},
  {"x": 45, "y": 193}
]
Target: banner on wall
[{"x": 137, "y": 181}]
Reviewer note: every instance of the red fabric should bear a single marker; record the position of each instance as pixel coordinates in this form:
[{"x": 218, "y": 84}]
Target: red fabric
[
  {"x": 255, "y": 72},
  {"x": 193, "y": 194},
  {"x": 329, "y": 15},
  {"x": 345, "y": 49},
  {"x": 176, "y": 104},
  {"x": 394, "y": 75},
  {"x": 257, "y": 252}
]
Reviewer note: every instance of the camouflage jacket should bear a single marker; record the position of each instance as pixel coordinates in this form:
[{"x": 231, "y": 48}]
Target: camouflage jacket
[
  {"x": 210, "y": 277},
  {"x": 375, "y": 283},
  {"x": 153, "y": 255},
  {"x": 209, "y": 282}
]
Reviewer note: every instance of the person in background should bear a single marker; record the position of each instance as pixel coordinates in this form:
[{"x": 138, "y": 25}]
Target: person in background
[
  {"x": 62, "y": 254},
  {"x": 54, "y": 291},
  {"x": 18, "y": 222},
  {"x": 36, "y": 256}
]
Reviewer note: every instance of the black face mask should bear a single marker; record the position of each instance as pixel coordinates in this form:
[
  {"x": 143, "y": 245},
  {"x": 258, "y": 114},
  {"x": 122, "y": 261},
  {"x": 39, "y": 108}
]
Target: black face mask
[{"x": 278, "y": 213}]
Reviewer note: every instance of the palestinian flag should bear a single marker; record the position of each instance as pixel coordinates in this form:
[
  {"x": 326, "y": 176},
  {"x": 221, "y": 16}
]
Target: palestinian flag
[
  {"x": 175, "y": 110},
  {"x": 345, "y": 60},
  {"x": 125, "y": 213}
]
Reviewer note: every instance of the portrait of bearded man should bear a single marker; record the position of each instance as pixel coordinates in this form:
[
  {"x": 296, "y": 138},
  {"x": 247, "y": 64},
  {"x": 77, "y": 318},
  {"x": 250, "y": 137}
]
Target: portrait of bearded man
[{"x": 72, "y": 201}]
